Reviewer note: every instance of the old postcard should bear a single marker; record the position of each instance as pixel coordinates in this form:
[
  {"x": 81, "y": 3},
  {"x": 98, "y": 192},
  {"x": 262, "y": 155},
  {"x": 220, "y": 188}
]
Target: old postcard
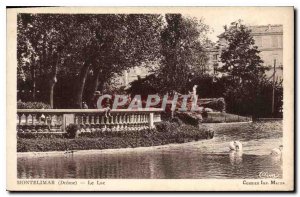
[{"x": 150, "y": 99}]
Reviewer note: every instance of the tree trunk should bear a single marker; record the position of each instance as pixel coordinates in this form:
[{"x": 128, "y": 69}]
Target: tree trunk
[
  {"x": 95, "y": 84},
  {"x": 80, "y": 86},
  {"x": 53, "y": 81},
  {"x": 52, "y": 84}
]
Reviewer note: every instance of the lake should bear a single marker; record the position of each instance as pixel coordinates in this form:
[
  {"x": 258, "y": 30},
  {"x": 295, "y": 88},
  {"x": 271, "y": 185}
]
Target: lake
[{"x": 195, "y": 160}]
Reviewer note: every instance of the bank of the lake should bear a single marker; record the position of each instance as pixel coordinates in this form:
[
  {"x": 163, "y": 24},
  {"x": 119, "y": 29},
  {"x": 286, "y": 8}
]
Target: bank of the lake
[{"x": 169, "y": 133}]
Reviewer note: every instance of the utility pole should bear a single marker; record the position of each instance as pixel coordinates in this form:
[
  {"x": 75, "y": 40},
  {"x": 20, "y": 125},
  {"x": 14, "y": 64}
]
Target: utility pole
[{"x": 273, "y": 94}]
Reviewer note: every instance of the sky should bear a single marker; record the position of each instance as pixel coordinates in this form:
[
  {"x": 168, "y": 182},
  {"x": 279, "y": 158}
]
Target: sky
[{"x": 217, "y": 18}]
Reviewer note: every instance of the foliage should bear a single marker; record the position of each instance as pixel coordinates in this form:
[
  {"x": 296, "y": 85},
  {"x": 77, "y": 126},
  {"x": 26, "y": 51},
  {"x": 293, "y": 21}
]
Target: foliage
[
  {"x": 191, "y": 118},
  {"x": 182, "y": 53},
  {"x": 145, "y": 86},
  {"x": 242, "y": 67},
  {"x": 209, "y": 86},
  {"x": 240, "y": 55},
  {"x": 129, "y": 139},
  {"x": 32, "y": 105},
  {"x": 35, "y": 135},
  {"x": 72, "y": 130},
  {"x": 217, "y": 104},
  {"x": 55, "y": 48}
]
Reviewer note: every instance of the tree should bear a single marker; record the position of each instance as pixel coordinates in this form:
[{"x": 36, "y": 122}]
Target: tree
[
  {"x": 43, "y": 41},
  {"x": 242, "y": 66},
  {"x": 182, "y": 53},
  {"x": 133, "y": 40},
  {"x": 58, "y": 46},
  {"x": 240, "y": 56}
]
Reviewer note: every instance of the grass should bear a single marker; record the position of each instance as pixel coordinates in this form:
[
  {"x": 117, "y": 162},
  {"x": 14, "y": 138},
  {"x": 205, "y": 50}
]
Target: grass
[
  {"x": 224, "y": 117},
  {"x": 166, "y": 133}
]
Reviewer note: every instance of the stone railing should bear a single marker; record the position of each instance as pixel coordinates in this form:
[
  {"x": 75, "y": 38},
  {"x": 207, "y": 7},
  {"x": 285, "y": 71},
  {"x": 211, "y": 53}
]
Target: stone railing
[{"x": 89, "y": 120}]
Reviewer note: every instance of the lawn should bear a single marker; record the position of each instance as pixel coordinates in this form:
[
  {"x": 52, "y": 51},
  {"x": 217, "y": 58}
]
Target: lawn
[{"x": 215, "y": 117}]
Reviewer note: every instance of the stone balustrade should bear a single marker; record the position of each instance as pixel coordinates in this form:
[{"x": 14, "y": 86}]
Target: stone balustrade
[{"x": 89, "y": 120}]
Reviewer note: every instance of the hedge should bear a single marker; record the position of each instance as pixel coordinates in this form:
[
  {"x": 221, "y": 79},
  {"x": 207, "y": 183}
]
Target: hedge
[
  {"x": 32, "y": 105},
  {"x": 166, "y": 133}
]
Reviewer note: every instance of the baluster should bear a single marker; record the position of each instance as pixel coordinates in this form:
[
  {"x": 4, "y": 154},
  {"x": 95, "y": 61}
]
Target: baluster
[
  {"x": 19, "y": 118},
  {"x": 93, "y": 123},
  {"x": 102, "y": 123},
  {"x": 26, "y": 123},
  {"x": 75, "y": 119},
  {"x": 51, "y": 122},
  {"x": 112, "y": 125},
  {"x": 107, "y": 123},
  {"x": 124, "y": 122},
  {"x": 133, "y": 121},
  {"x": 138, "y": 124},
  {"x": 135, "y": 126},
  {"x": 87, "y": 120},
  {"x": 26, "y": 119},
  {"x": 87, "y": 123},
  {"x": 121, "y": 122},
  {"x": 97, "y": 121},
  {"x": 143, "y": 121},
  {"x": 47, "y": 122},
  {"x": 129, "y": 121},
  {"x": 115, "y": 118},
  {"x": 19, "y": 123},
  {"x": 92, "y": 119}
]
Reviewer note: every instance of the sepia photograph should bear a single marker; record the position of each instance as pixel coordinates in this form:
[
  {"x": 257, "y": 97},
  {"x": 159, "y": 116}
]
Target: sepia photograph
[{"x": 175, "y": 98}]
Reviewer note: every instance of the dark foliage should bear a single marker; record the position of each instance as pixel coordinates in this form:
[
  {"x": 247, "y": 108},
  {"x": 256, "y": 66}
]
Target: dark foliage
[
  {"x": 217, "y": 104},
  {"x": 71, "y": 130},
  {"x": 166, "y": 133},
  {"x": 35, "y": 135},
  {"x": 32, "y": 105}
]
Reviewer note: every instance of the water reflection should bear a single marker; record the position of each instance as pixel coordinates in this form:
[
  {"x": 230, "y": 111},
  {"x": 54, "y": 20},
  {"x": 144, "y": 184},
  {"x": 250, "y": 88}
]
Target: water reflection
[
  {"x": 235, "y": 157},
  {"x": 203, "y": 159}
]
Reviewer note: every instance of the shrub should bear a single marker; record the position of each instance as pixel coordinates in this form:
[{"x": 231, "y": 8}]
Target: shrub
[
  {"x": 164, "y": 126},
  {"x": 189, "y": 118},
  {"x": 166, "y": 133},
  {"x": 71, "y": 130},
  {"x": 217, "y": 104},
  {"x": 177, "y": 120},
  {"x": 32, "y": 105},
  {"x": 34, "y": 135}
]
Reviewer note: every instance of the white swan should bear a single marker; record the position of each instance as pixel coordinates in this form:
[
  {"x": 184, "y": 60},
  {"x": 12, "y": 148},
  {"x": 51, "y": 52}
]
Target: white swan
[
  {"x": 235, "y": 145},
  {"x": 277, "y": 151}
]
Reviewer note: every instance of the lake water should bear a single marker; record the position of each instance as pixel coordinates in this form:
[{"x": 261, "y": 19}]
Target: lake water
[{"x": 195, "y": 160}]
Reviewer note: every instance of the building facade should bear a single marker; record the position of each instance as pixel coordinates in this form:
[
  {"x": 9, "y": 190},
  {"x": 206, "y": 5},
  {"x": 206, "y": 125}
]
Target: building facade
[{"x": 268, "y": 39}]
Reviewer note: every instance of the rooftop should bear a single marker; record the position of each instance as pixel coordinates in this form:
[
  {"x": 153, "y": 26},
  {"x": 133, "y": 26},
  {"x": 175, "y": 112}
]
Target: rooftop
[
  {"x": 266, "y": 29},
  {"x": 261, "y": 29}
]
